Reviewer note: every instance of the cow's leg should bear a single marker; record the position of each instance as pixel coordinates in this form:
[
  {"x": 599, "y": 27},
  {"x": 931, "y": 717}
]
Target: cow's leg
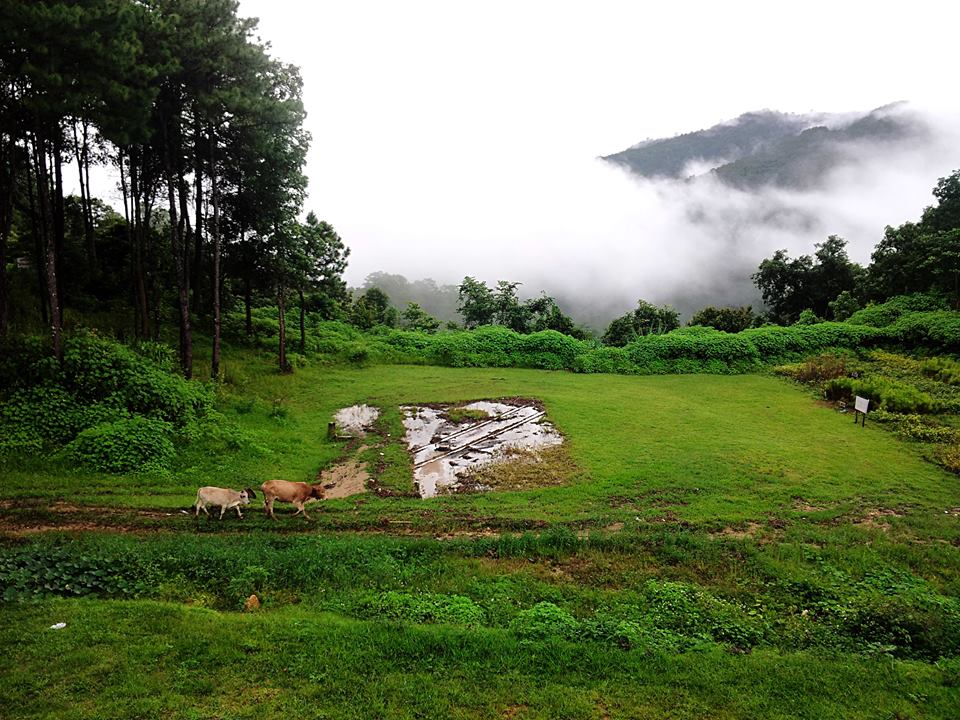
[
  {"x": 237, "y": 508},
  {"x": 223, "y": 509},
  {"x": 303, "y": 509},
  {"x": 268, "y": 504}
]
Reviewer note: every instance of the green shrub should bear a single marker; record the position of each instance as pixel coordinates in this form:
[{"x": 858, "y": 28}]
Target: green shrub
[
  {"x": 942, "y": 369},
  {"x": 545, "y": 621},
  {"x": 423, "y": 608},
  {"x": 695, "y": 613},
  {"x": 135, "y": 444},
  {"x": 938, "y": 330},
  {"x": 263, "y": 320},
  {"x": 97, "y": 369},
  {"x": 101, "y": 382},
  {"x": 252, "y": 580},
  {"x": 926, "y": 628},
  {"x": 949, "y": 457},
  {"x": 917, "y": 427},
  {"x": 49, "y": 571},
  {"x": 631, "y": 634},
  {"x": 883, "y": 314},
  {"x": 825, "y": 366},
  {"x": 808, "y": 317}
]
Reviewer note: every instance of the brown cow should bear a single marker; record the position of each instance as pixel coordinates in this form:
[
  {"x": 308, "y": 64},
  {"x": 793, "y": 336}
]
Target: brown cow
[{"x": 298, "y": 493}]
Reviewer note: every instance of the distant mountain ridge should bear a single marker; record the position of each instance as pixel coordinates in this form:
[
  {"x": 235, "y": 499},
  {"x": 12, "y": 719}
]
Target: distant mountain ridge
[{"x": 767, "y": 148}]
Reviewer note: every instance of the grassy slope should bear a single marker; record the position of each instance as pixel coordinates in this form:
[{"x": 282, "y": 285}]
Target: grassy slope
[
  {"x": 666, "y": 456},
  {"x": 147, "y": 659},
  {"x": 715, "y": 450}
]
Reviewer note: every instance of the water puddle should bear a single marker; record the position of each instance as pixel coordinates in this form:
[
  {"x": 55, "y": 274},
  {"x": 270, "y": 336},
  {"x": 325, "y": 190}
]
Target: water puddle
[
  {"x": 448, "y": 442},
  {"x": 356, "y": 419}
]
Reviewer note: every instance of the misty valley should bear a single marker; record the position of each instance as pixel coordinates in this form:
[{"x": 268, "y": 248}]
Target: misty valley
[{"x": 672, "y": 431}]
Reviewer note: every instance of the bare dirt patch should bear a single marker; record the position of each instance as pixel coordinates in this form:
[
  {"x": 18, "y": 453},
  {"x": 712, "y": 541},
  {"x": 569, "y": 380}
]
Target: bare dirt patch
[
  {"x": 876, "y": 518},
  {"x": 802, "y": 505},
  {"x": 345, "y": 479},
  {"x": 749, "y": 530},
  {"x": 26, "y": 530}
]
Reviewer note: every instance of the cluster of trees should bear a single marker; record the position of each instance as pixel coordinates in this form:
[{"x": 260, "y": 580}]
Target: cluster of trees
[
  {"x": 478, "y": 305},
  {"x": 915, "y": 257},
  {"x": 646, "y": 319},
  {"x": 726, "y": 319},
  {"x": 482, "y": 305},
  {"x": 204, "y": 130}
]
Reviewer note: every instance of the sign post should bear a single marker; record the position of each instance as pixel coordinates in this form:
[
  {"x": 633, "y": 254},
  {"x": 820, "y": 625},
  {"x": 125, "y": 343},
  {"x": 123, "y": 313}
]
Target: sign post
[{"x": 860, "y": 407}]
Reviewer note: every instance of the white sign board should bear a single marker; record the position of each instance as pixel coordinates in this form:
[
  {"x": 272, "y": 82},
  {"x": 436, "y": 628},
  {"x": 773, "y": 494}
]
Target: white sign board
[{"x": 861, "y": 404}]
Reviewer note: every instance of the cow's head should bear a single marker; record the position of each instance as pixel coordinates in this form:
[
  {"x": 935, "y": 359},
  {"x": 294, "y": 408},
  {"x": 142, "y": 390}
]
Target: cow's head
[
  {"x": 251, "y": 495},
  {"x": 316, "y": 492}
]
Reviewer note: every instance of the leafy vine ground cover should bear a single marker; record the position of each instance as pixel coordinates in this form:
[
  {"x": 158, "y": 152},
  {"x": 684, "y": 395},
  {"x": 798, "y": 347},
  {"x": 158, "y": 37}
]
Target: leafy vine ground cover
[{"x": 724, "y": 547}]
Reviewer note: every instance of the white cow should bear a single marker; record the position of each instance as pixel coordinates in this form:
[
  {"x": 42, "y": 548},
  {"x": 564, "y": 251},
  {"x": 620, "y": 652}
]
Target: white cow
[{"x": 223, "y": 498}]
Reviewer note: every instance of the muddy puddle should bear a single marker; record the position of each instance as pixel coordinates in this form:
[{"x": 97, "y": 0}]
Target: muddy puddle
[
  {"x": 356, "y": 420},
  {"x": 449, "y": 442}
]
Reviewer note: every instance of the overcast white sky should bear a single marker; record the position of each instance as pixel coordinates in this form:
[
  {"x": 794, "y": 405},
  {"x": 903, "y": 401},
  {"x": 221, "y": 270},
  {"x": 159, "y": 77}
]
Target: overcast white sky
[{"x": 454, "y": 138}]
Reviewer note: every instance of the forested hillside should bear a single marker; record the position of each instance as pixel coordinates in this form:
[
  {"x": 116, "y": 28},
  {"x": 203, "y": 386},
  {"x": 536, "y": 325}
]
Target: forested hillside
[{"x": 767, "y": 148}]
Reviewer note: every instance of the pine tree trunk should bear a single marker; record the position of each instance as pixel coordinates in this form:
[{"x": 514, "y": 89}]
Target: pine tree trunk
[
  {"x": 183, "y": 292},
  {"x": 135, "y": 239},
  {"x": 151, "y": 262},
  {"x": 43, "y": 187},
  {"x": 215, "y": 275},
  {"x": 247, "y": 305},
  {"x": 303, "y": 325},
  {"x": 38, "y": 260},
  {"x": 185, "y": 232},
  {"x": 86, "y": 172},
  {"x": 282, "y": 349},
  {"x": 8, "y": 182},
  {"x": 81, "y": 153},
  {"x": 58, "y": 217},
  {"x": 198, "y": 214}
]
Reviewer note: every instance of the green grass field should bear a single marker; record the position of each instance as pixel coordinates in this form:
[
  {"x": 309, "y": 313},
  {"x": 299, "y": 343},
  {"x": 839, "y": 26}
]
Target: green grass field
[{"x": 723, "y": 547}]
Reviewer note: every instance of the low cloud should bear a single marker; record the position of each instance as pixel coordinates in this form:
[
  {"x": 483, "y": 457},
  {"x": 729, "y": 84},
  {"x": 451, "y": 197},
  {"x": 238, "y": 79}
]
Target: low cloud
[{"x": 597, "y": 237}]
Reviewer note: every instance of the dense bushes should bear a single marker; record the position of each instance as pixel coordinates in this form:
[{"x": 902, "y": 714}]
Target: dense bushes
[
  {"x": 118, "y": 405},
  {"x": 910, "y": 321},
  {"x": 938, "y": 330},
  {"x": 137, "y": 443},
  {"x": 916, "y": 427},
  {"x": 884, "y": 394},
  {"x": 942, "y": 369},
  {"x": 686, "y": 350},
  {"x": 886, "y": 313}
]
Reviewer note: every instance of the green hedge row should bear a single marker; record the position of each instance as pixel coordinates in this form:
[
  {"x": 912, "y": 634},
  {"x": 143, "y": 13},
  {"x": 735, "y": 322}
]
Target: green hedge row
[
  {"x": 687, "y": 350},
  {"x": 915, "y": 321}
]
